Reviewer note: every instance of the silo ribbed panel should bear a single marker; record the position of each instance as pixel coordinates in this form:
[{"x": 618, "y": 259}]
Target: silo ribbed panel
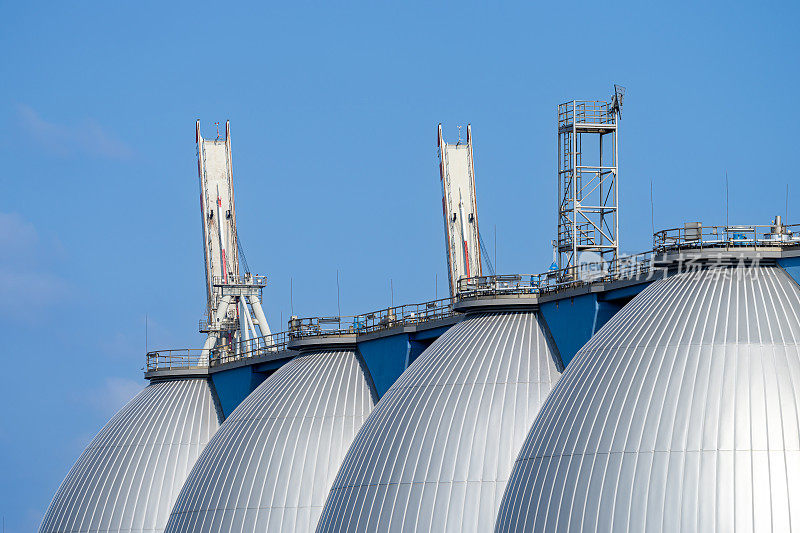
[
  {"x": 436, "y": 453},
  {"x": 680, "y": 414},
  {"x": 271, "y": 464},
  {"x": 129, "y": 476}
]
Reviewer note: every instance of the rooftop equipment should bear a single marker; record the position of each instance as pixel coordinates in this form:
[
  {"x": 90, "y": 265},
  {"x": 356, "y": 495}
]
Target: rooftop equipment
[
  {"x": 588, "y": 198},
  {"x": 693, "y": 231}
]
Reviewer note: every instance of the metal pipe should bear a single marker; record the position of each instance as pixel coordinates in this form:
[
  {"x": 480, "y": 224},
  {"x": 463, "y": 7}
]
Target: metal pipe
[
  {"x": 261, "y": 318},
  {"x": 574, "y": 173},
  {"x": 244, "y": 327},
  {"x": 211, "y": 341},
  {"x": 616, "y": 185},
  {"x": 463, "y": 235},
  {"x": 251, "y": 328}
]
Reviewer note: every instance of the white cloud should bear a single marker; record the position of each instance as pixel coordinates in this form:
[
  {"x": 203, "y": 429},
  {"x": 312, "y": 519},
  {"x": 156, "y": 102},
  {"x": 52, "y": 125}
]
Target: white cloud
[{"x": 87, "y": 137}]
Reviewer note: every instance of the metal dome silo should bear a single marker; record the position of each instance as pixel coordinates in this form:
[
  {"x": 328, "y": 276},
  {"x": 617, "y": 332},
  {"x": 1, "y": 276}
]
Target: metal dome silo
[
  {"x": 271, "y": 464},
  {"x": 681, "y": 414},
  {"x": 436, "y": 453},
  {"x": 130, "y": 474}
]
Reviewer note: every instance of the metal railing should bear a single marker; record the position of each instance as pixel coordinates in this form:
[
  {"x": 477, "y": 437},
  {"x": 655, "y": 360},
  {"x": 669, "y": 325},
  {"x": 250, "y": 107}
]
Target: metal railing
[
  {"x": 205, "y": 325},
  {"x": 321, "y": 326},
  {"x": 251, "y": 279},
  {"x": 552, "y": 281},
  {"x": 188, "y": 358},
  {"x": 499, "y": 285},
  {"x": 255, "y": 347},
  {"x": 177, "y": 359},
  {"x": 406, "y": 315},
  {"x": 695, "y": 236},
  {"x": 390, "y": 317},
  {"x": 584, "y": 112}
]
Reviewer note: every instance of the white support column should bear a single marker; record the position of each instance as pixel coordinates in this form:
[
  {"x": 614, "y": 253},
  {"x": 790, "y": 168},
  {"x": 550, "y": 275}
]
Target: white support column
[
  {"x": 251, "y": 328},
  {"x": 211, "y": 341},
  {"x": 262, "y": 319},
  {"x": 244, "y": 327}
]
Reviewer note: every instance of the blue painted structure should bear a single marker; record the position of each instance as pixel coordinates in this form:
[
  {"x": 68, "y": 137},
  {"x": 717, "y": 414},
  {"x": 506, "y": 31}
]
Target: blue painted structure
[
  {"x": 573, "y": 320},
  {"x": 792, "y": 267},
  {"x": 386, "y": 358},
  {"x": 233, "y": 385}
]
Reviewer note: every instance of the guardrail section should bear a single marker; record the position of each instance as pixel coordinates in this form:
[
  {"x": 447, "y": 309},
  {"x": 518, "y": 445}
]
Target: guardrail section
[{"x": 694, "y": 236}]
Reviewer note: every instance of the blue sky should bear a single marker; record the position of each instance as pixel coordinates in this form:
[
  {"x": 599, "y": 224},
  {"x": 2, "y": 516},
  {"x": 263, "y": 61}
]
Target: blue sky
[{"x": 333, "y": 115}]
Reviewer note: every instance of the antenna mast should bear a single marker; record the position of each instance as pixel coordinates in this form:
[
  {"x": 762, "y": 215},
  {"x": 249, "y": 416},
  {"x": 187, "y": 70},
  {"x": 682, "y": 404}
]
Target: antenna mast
[{"x": 588, "y": 199}]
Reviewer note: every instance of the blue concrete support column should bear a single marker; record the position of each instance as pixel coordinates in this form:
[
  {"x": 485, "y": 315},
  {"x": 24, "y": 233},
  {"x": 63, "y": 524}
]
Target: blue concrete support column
[
  {"x": 572, "y": 321},
  {"x": 792, "y": 267},
  {"x": 386, "y": 358},
  {"x": 234, "y": 385}
]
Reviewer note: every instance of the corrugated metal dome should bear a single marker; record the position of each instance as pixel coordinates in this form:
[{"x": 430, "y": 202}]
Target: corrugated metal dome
[
  {"x": 130, "y": 474},
  {"x": 681, "y": 414},
  {"x": 271, "y": 464},
  {"x": 436, "y": 453}
]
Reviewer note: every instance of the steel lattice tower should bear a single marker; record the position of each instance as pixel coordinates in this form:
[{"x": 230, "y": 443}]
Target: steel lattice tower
[{"x": 588, "y": 199}]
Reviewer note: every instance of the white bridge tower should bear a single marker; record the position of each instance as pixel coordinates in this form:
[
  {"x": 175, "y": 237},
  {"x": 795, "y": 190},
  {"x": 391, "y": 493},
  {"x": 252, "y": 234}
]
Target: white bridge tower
[
  {"x": 234, "y": 316},
  {"x": 460, "y": 210}
]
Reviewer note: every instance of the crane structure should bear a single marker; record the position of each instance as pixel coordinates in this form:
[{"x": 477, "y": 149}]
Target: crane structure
[
  {"x": 588, "y": 198},
  {"x": 234, "y": 316},
  {"x": 460, "y": 210}
]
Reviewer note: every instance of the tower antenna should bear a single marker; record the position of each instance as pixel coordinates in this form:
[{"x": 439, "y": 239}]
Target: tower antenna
[
  {"x": 616, "y": 99},
  {"x": 652, "y": 210},
  {"x": 727, "y": 203}
]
